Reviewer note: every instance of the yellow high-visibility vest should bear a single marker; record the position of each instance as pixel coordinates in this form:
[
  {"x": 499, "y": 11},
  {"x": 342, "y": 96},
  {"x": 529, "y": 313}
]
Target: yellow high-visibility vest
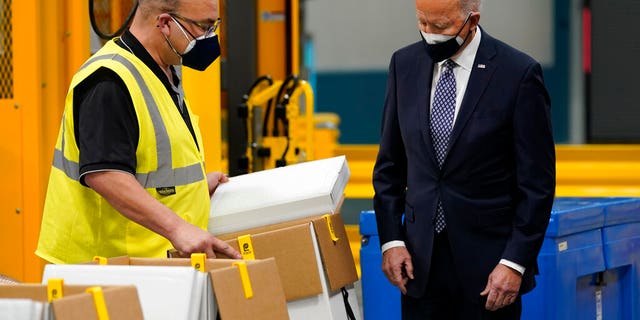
[{"x": 78, "y": 223}]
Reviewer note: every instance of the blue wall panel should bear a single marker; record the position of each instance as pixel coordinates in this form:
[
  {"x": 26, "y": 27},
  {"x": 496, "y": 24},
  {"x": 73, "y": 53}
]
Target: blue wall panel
[{"x": 358, "y": 98}]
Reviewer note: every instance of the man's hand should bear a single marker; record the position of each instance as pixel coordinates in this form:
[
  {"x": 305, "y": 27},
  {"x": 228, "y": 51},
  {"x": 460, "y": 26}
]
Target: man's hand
[
  {"x": 214, "y": 179},
  {"x": 190, "y": 239},
  {"x": 126, "y": 195},
  {"x": 397, "y": 266},
  {"x": 502, "y": 287}
]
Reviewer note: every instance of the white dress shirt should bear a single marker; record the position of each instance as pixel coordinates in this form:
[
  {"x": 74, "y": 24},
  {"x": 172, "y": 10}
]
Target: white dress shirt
[{"x": 461, "y": 72}]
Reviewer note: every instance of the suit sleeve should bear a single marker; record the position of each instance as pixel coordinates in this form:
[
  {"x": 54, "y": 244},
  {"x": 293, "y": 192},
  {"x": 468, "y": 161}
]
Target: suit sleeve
[
  {"x": 390, "y": 170},
  {"x": 535, "y": 168}
]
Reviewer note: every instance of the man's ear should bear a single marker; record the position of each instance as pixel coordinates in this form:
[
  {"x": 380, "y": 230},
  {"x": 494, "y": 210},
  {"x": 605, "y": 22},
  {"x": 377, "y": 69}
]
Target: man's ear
[
  {"x": 162, "y": 23},
  {"x": 474, "y": 20}
]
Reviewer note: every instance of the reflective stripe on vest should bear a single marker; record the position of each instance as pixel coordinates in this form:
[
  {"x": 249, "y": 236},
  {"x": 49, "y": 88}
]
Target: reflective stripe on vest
[{"x": 165, "y": 175}]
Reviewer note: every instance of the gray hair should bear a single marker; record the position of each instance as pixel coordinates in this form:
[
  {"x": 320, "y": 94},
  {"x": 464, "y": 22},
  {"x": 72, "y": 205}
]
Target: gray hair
[
  {"x": 153, "y": 7},
  {"x": 467, "y": 6}
]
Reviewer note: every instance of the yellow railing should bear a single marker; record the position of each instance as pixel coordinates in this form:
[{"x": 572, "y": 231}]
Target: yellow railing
[{"x": 582, "y": 170}]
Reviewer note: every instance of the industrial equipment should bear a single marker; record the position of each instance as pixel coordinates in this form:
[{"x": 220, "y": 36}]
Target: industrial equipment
[{"x": 288, "y": 138}]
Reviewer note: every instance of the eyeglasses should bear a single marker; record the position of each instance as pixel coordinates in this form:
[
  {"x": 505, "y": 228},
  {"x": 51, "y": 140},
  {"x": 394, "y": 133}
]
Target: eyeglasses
[{"x": 208, "y": 29}]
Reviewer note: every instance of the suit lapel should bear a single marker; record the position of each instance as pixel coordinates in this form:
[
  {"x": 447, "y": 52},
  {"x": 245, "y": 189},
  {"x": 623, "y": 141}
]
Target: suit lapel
[
  {"x": 481, "y": 73},
  {"x": 424, "y": 77}
]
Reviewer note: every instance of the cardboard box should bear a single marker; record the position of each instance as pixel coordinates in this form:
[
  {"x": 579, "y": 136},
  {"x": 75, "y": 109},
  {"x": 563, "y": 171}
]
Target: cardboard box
[
  {"x": 165, "y": 292},
  {"x": 267, "y": 302},
  {"x": 121, "y": 302},
  {"x": 314, "y": 262}
]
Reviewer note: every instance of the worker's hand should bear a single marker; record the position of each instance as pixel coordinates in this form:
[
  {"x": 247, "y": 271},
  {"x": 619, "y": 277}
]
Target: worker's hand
[
  {"x": 214, "y": 179},
  {"x": 397, "y": 266},
  {"x": 502, "y": 287},
  {"x": 188, "y": 239}
]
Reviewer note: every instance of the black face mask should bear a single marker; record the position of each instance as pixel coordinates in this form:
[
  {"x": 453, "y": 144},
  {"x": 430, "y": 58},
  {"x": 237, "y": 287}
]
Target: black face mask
[
  {"x": 200, "y": 53},
  {"x": 203, "y": 54},
  {"x": 444, "y": 50}
]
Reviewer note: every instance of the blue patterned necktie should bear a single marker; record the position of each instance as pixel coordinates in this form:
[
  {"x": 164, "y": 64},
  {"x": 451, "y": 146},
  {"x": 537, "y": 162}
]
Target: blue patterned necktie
[{"x": 444, "y": 106}]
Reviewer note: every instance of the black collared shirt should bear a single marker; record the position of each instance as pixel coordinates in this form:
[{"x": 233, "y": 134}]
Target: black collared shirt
[{"x": 105, "y": 121}]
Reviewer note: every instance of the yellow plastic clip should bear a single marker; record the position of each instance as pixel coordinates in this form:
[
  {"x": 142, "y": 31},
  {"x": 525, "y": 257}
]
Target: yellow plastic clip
[
  {"x": 98, "y": 300},
  {"x": 198, "y": 261},
  {"x": 244, "y": 278},
  {"x": 100, "y": 260},
  {"x": 332, "y": 232},
  {"x": 54, "y": 289},
  {"x": 246, "y": 247}
]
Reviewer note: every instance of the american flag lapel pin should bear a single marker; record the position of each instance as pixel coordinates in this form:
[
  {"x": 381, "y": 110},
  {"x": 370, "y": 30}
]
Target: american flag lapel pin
[{"x": 481, "y": 66}]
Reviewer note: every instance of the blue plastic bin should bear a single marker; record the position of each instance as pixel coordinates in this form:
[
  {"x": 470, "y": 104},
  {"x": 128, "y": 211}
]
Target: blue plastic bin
[
  {"x": 380, "y": 299},
  {"x": 588, "y": 269},
  {"x": 589, "y": 264},
  {"x": 573, "y": 215},
  {"x": 565, "y": 287},
  {"x": 622, "y": 279},
  {"x": 622, "y": 210},
  {"x": 621, "y": 240}
]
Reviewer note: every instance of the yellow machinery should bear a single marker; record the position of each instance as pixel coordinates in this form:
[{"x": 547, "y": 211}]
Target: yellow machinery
[
  {"x": 267, "y": 40},
  {"x": 289, "y": 137},
  {"x": 41, "y": 44},
  {"x": 277, "y": 35}
]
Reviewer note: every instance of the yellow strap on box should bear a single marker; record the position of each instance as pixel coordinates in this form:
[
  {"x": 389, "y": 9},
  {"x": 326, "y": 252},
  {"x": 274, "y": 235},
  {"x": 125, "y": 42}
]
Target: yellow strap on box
[
  {"x": 98, "y": 300},
  {"x": 198, "y": 261},
  {"x": 100, "y": 260},
  {"x": 54, "y": 289},
  {"x": 244, "y": 278},
  {"x": 246, "y": 247},
  {"x": 332, "y": 232}
]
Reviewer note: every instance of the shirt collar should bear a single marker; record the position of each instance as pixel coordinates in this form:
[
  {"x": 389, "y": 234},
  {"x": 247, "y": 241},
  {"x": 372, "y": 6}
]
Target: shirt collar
[
  {"x": 129, "y": 42},
  {"x": 467, "y": 56}
]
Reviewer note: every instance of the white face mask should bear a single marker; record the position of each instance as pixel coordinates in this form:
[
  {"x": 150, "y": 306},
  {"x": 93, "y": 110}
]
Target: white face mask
[{"x": 434, "y": 38}]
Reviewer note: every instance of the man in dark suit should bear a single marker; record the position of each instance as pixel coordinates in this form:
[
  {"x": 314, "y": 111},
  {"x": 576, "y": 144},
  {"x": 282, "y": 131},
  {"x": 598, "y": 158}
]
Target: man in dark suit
[{"x": 467, "y": 155}]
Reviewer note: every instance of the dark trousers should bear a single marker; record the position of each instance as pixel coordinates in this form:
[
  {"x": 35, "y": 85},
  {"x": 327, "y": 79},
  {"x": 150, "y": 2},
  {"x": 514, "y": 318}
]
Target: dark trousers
[{"x": 444, "y": 298}]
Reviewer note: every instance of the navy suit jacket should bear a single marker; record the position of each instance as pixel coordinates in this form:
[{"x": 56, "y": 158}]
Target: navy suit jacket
[{"x": 497, "y": 181}]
